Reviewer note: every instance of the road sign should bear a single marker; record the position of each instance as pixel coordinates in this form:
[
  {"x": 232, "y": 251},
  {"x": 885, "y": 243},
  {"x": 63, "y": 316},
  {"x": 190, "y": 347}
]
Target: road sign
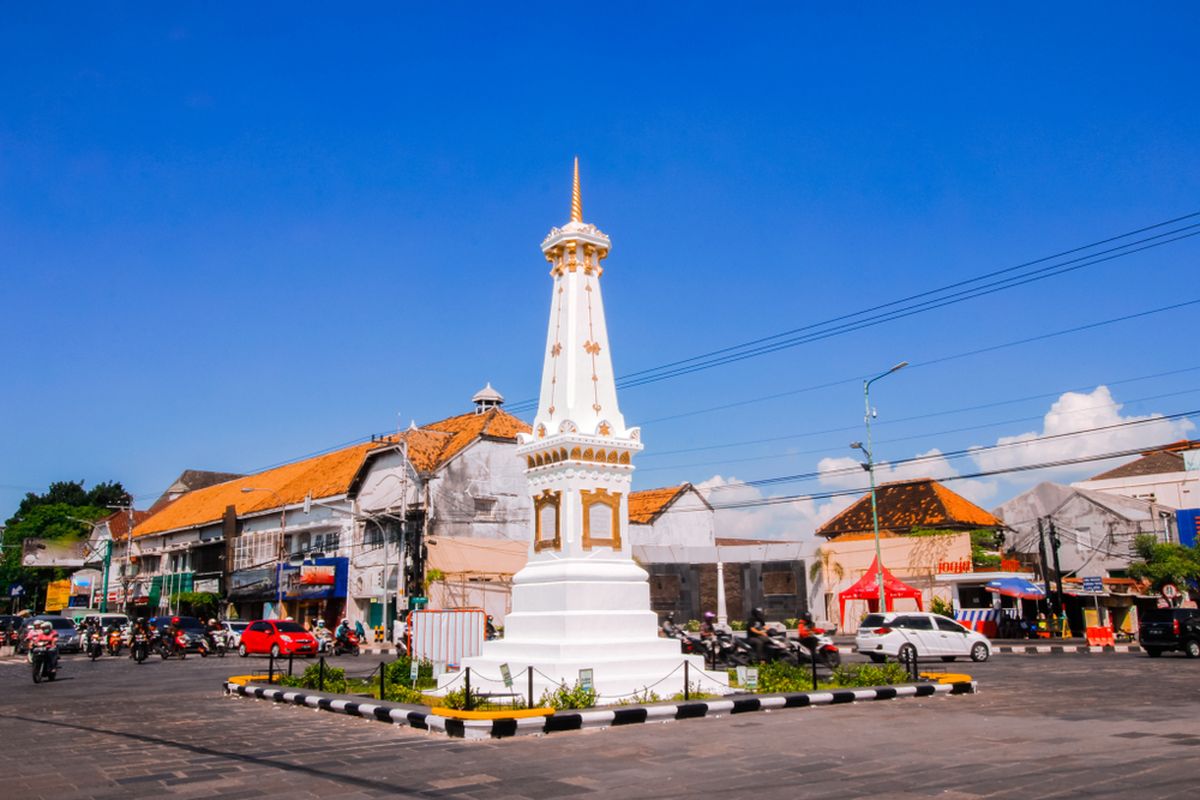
[
  {"x": 506, "y": 674},
  {"x": 1170, "y": 591},
  {"x": 751, "y": 682},
  {"x": 16, "y": 590},
  {"x": 585, "y": 679},
  {"x": 1093, "y": 584},
  {"x": 414, "y": 669}
]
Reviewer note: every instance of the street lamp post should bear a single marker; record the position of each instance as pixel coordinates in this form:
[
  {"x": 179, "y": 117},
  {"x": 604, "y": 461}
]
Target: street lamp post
[
  {"x": 870, "y": 467},
  {"x": 282, "y": 546}
]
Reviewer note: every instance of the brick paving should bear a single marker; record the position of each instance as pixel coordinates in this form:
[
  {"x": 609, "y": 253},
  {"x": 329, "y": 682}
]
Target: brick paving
[{"x": 1043, "y": 726}]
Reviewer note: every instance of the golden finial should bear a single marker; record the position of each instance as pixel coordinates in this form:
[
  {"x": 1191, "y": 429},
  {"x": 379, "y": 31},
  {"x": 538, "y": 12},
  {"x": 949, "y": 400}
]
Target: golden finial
[{"x": 576, "y": 199}]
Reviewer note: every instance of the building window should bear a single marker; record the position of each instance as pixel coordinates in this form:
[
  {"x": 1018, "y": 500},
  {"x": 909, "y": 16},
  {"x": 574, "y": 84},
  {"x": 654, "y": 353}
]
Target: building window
[
  {"x": 253, "y": 550},
  {"x": 547, "y": 532},
  {"x": 485, "y": 507},
  {"x": 373, "y": 534},
  {"x": 665, "y": 591},
  {"x": 148, "y": 564},
  {"x": 601, "y": 519}
]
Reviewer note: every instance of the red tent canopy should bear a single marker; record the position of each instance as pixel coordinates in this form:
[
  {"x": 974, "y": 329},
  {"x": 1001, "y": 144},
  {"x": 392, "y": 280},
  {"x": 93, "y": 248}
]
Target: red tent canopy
[{"x": 867, "y": 589}]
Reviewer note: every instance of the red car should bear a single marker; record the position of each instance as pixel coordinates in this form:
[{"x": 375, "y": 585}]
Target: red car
[{"x": 277, "y": 637}]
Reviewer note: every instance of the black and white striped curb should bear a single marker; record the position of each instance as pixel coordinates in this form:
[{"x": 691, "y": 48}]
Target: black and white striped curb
[
  {"x": 1042, "y": 649},
  {"x": 599, "y": 718}
]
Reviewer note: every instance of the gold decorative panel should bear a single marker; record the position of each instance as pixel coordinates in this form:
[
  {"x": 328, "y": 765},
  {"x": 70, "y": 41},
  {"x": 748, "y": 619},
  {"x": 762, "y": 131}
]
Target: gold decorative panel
[
  {"x": 601, "y": 519},
  {"x": 547, "y": 526}
]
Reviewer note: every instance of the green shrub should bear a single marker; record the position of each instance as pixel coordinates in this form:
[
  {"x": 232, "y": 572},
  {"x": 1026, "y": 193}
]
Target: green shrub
[
  {"x": 335, "y": 679},
  {"x": 692, "y": 625},
  {"x": 403, "y": 693},
  {"x": 400, "y": 671},
  {"x": 573, "y": 697},
  {"x": 458, "y": 698},
  {"x": 940, "y": 606},
  {"x": 791, "y": 622},
  {"x": 859, "y": 675},
  {"x": 737, "y": 624}
]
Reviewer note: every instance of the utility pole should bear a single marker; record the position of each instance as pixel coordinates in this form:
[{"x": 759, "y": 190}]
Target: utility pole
[
  {"x": 1055, "y": 543},
  {"x": 1043, "y": 567}
]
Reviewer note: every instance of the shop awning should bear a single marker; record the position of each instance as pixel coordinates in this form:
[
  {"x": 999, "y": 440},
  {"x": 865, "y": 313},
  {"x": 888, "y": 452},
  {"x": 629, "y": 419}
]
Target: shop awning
[
  {"x": 867, "y": 589},
  {"x": 1016, "y": 587}
]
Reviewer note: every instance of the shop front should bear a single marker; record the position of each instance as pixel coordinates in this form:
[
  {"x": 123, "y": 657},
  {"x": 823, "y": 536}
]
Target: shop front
[
  {"x": 250, "y": 593},
  {"x": 994, "y": 614},
  {"x": 315, "y": 590}
]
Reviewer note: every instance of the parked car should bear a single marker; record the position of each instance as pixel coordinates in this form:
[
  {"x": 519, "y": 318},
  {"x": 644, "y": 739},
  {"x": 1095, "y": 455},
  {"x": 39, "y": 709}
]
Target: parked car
[
  {"x": 1170, "y": 629},
  {"x": 917, "y": 634},
  {"x": 192, "y": 628},
  {"x": 68, "y": 638},
  {"x": 277, "y": 637},
  {"x": 233, "y": 631}
]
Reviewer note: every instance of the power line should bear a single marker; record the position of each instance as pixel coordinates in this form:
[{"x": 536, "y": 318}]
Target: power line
[
  {"x": 778, "y": 341},
  {"x": 942, "y": 413},
  {"x": 918, "y": 364},
  {"x": 925, "y": 435},
  {"x": 780, "y": 499}
]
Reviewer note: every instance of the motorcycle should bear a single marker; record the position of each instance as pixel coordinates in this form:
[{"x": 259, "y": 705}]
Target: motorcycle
[
  {"x": 324, "y": 641},
  {"x": 346, "y": 644},
  {"x": 92, "y": 645},
  {"x": 43, "y": 659},
  {"x": 115, "y": 642},
  {"x": 140, "y": 649},
  {"x": 215, "y": 641},
  {"x": 827, "y": 652}
]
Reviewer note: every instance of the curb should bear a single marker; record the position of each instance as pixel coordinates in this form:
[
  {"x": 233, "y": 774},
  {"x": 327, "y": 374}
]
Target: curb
[
  {"x": 599, "y": 718},
  {"x": 1043, "y": 649}
]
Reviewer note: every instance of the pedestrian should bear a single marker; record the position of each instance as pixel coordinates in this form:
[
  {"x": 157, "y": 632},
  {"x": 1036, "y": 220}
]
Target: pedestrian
[{"x": 360, "y": 631}]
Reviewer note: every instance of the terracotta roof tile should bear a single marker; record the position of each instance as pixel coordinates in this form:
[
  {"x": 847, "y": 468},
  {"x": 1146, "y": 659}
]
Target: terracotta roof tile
[
  {"x": 330, "y": 474},
  {"x": 907, "y": 505},
  {"x": 645, "y": 506},
  {"x": 1154, "y": 463}
]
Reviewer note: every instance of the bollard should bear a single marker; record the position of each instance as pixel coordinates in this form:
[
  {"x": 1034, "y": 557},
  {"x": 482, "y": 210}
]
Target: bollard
[
  {"x": 813, "y": 653},
  {"x": 290, "y": 657},
  {"x": 382, "y": 679},
  {"x": 686, "y": 688},
  {"x": 270, "y": 668},
  {"x": 321, "y": 675},
  {"x": 529, "y": 672},
  {"x": 467, "y": 678}
]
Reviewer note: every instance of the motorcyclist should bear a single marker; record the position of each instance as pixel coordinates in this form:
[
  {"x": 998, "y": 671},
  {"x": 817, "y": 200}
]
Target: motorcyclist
[
  {"x": 44, "y": 635},
  {"x": 342, "y": 633},
  {"x": 708, "y": 626},
  {"x": 756, "y": 633},
  {"x": 806, "y": 632},
  {"x": 91, "y": 632},
  {"x": 174, "y": 636},
  {"x": 215, "y": 632},
  {"x": 139, "y": 627},
  {"x": 322, "y": 635},
  {"x": 360, "y": 631}
]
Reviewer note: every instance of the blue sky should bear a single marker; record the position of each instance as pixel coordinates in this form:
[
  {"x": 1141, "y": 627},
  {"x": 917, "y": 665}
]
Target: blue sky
[{"x": 230, "y": 238}]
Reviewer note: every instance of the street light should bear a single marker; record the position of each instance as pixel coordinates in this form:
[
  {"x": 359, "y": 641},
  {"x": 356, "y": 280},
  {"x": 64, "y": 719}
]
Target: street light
[
  {"x": 870, "y": 468},
  {"x": 279, "y": 558}
]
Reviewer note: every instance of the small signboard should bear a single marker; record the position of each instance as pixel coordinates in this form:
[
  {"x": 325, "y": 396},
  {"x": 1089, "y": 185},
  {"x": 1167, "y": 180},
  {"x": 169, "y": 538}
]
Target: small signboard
[
  {"x": 414, "y": 669},
  {"x": 585, "y": 679},
  {"x": 506, "y": 674},
  {"x": 1093, "y": 584},
  {"x": 1170, "y": 591},
  {"x": 751, "y": 681}
]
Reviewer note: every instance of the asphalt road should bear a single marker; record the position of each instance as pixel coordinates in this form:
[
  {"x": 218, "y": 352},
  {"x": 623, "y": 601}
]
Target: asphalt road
[{"x": 1114, "y": 725}]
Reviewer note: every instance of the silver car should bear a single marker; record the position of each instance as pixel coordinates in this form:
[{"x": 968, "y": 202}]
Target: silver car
[{"x": 69, "y": 640}]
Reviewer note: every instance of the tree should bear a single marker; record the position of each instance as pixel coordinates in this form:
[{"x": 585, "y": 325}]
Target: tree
[
  {"x": 1161, "y": 563},
  {"x": 53, "y": 516}
]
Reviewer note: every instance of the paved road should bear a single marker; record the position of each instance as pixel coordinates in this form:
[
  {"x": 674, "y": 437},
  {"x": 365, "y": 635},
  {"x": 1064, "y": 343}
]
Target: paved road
[{"x": 1043, "y": 726}]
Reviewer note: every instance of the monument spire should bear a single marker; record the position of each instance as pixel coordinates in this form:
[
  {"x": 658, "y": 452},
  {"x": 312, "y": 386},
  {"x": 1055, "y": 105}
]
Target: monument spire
[
  {"x": 576, "y": 197},
  {"x": 581, "y": 602}
]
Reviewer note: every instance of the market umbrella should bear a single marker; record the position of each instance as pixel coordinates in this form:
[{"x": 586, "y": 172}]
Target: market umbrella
[{"x": 1016, "y": 587}]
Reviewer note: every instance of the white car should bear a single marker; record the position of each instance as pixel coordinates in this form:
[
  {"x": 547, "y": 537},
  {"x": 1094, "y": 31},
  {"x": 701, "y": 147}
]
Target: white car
[
  {"x": 233, "y": 632},
  {"x": 918, "y": 634}
]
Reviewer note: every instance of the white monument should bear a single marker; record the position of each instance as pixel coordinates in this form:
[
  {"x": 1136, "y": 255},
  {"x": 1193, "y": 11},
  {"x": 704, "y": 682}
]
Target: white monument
[{"x": 581, "y": 603}]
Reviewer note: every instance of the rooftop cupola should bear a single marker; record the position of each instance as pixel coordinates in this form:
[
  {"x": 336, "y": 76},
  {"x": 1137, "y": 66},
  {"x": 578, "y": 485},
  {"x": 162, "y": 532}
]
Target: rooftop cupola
[{"x": 487, "y": 398}]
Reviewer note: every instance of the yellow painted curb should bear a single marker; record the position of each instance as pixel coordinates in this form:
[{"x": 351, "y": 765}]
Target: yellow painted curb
[
  {"x": 242, "y": 680},
  {"x": 516, "y": 713},
  {"x": 947, "y": 677}
]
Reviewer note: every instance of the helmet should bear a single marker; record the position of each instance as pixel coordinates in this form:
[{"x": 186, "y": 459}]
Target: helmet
[
  {"x": 759, "y": 615},
  {"x": 320, "y": 623},
  {"x": 46, "y": 626},
  {"x": 807, "y": 617},
  {"x": 709, "y": 616},
  {"x": 174, "y": 620},
  {"x": 212, "y": 622}
]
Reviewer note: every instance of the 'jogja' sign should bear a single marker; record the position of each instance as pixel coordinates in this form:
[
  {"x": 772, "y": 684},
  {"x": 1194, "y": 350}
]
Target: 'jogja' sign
[{"x": 954, "y": 567}]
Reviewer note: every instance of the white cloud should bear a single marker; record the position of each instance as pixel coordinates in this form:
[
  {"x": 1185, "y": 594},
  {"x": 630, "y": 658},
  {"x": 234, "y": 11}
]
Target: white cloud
[
  {"x": 847, "y": 473},
  {"x": 1075, "y": 411},
  {"x": 794, "y": 520}
]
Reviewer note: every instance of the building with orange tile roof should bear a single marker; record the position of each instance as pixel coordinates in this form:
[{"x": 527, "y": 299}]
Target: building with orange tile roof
[
  {"x": 672, "y": 515},
  {"x": 454, "y": 477},
  {"x": 907, "y": 506}
]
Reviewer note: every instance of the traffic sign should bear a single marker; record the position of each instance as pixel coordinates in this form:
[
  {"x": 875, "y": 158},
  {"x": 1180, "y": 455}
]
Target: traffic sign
[
  {"x": 1093, "y": 584},
  {"x": 1170, "y": 591},
  {"x": 16, "y": 590}
]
